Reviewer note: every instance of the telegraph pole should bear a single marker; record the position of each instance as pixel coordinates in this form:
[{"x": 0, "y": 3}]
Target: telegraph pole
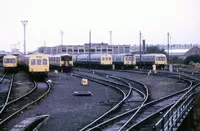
[
  {"x": 140, "y": 48},
  {"x": 89, "y": 48},
  {"x": 24, "y": 23},
  {"x": 61, "y": 33},
  {"x": 168, "y": 35}
]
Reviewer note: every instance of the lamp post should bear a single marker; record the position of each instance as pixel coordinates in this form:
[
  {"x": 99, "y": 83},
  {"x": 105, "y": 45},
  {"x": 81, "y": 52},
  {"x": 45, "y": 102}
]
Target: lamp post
[
  {"x": 24, "y": 23},
  {"x": 61, "y": 33}
]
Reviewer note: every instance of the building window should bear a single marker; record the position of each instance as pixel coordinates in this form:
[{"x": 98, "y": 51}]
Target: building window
[
  {"x": 81, "y": 50},
  {"x": 64, "y": 50},
  {"x": 103, "y": 50},
  {"x": 92, "y": 50}
]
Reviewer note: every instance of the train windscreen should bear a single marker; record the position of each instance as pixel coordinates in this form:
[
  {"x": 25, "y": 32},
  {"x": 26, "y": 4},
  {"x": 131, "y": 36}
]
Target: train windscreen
[
  {"x": 160, "y": 58},
  {"x": 9, "y": 60}
]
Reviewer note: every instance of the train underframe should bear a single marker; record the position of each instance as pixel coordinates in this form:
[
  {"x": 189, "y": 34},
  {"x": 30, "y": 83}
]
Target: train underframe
[
  {"x": 93, "y": 65},
  {"x": 10, "y": 69},
  {"x": 62, "y": 68},
  {"x": 38, "y": 75},
  {"x": 149, "y": 65},
  {"x": 123, "y": 66}
]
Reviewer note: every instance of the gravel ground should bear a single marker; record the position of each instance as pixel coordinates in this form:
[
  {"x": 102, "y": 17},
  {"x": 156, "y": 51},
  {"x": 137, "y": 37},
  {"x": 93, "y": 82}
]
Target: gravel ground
[
  {"x": 159, "y": 86},
  {"x": 69, "y": 112},
  {"x": 22, "y": 84}
]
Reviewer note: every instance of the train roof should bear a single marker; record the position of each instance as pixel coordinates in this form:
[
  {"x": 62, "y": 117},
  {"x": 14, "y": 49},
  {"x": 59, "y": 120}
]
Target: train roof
[
  {"x": 41, "y": 54},
  {"x": 123, "y": 54},
  {"x": 58, "y": 55},
  {"x": 10, "y": 56},
  {"x": 92, "y": 55},
  {"x": 153, "y": 54}
]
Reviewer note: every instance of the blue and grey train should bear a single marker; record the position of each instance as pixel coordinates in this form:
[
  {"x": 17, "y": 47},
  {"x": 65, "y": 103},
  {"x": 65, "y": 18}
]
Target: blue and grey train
[
  {"x": 148, "y": 60},
  {"x": 95, "y": 60},
  {"x": 124, "y": 61}
]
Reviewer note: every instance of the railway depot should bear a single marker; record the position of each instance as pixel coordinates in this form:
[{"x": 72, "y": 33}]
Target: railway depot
[
  {"x": 67, "y": 111},
  {"x": 77, "y": 92}
]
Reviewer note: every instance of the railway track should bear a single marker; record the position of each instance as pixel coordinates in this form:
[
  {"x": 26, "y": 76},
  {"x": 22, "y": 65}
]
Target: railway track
[
  {"x": 15, "y": 106},
  {"x": 6, "y": 97},
  {"x": 120, "y": 107},
  {"x": 175, "y": 115},
  {"x": 145, "y": 115}
]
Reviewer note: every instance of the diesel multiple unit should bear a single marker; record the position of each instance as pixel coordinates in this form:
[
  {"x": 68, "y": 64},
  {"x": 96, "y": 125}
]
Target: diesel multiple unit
[
  {"x": 40, "y": 64},
  {"x": 148, "y": 60},
  {"x": 93, "y": 60},
  {"x": 61, "y": 62},
  {"x": 37, "y": 64},
  {"x": 10, "y": 62},
  {"x": 124, "y": 61}
]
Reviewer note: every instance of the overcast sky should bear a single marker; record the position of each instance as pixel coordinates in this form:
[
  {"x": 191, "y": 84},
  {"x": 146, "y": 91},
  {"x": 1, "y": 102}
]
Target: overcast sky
[{"x": 76, "y": 17}]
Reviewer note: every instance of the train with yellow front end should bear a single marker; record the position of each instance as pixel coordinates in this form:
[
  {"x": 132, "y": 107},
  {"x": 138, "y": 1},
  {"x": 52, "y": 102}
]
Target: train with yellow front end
[
  {"x": 10, "y": 63},
  {"x": 61, "y": 62},
  {"x": 37, "y": 64},
  {"x": 93, "y": 60},
  {"x": 124, "y": 61},
  {"x": 148, "y": 60}
]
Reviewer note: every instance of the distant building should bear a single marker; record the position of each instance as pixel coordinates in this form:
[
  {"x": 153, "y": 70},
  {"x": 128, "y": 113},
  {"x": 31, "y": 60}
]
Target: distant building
[
  {"x": 177, "y": 52},
  {"x": 96, "y": 48},
  {"x": 193, "y": 51}
]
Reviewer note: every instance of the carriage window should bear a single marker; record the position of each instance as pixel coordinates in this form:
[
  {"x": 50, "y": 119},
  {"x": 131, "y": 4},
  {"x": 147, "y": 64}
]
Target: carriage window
[
  {"x": 33, "y": 62},
  {"x": 102, "y": 58},
  {"x": 39, "y": 62},
  {"x": 44, "y": 61},
  {"x": 66, "y": 58}
]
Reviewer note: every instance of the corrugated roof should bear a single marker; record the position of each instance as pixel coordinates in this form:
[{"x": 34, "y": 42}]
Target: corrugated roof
[{"x": 178, "y": 50}]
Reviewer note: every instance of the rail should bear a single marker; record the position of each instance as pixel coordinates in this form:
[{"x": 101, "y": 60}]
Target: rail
[{"x": 176, "y": 114}]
